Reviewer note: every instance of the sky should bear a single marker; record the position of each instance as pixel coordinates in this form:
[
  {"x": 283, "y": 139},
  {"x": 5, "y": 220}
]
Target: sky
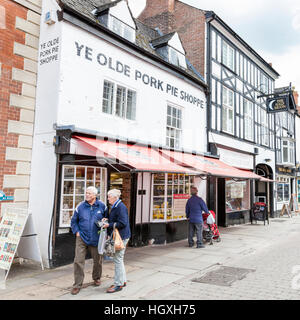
[{"x": 270, "y": 27}]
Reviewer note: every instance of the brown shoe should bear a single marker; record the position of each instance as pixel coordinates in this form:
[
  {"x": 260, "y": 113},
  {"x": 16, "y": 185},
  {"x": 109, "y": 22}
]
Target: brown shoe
[
  {"x": 97, "y": 283},
  {"x": 75, "y": 291}
]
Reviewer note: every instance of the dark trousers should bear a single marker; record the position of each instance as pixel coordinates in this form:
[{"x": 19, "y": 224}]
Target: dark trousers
[
  {"x": 198, "y": 227},
  {"x": 79, "y": 262}
]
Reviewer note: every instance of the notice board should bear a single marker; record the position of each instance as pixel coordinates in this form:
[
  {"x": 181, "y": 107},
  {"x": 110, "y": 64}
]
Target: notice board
[{"x": 179, "y": 202}]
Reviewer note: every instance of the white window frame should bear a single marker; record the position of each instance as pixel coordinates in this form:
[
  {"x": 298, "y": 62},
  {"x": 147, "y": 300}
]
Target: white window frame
[
  {"x": 228, "y": 58},
  {"x": 177, "y": 58},
  {"x": 288, "y": 147},
  {"x": 181, "y": 189},
  {"x": 227, "y": 108},
  {"x": 118, "y": 105},
  {"x": 100, "y": 184},
  {"x": 248, "y": 119},
  {"x": 174, "y": 126},
  {"x": 122, "y": 29},
  {"x": 264, "y": 127}
]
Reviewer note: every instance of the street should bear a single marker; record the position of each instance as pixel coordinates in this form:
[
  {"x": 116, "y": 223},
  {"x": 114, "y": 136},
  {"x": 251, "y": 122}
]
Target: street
[{"x": 252, "y": 262}]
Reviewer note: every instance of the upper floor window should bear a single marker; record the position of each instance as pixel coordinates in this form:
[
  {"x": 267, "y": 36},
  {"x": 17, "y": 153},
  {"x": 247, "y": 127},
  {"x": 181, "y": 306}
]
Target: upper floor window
[
  {"x": 248, "y": 115},
  {"x": 174, "y": 127},
  {"x": 264, "y": 84},
  {"x": 228, "y": 56},
  {"x": 119, "y": 100},
  {"x": 177, "y": 58},
  {"x": 121, "y": 28},
  {"x": 227, "y": 110},
  {"x": 264, "y": 128},
  {"x": 287, "y": 151}
]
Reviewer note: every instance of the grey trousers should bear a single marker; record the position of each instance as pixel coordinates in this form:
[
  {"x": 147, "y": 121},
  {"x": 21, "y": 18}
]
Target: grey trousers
[
  {"x": 198, "y": 227},
  {"x": 79, "y": 261}
]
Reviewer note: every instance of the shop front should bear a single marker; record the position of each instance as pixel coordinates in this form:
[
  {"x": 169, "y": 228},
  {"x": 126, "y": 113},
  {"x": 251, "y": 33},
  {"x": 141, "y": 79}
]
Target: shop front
[{"x": 285, "y": 182}]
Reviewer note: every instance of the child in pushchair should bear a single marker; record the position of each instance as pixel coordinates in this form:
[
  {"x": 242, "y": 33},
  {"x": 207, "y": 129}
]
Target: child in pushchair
[{"x": 210, "y": 229}]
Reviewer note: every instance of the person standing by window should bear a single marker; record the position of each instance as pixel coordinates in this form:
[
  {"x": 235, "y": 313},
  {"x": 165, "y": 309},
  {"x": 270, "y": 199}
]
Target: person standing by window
[{"x": 194, "y": 207}]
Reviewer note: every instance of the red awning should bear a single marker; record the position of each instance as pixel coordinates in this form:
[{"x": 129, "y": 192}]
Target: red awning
[
  {"x": 138, "y": 157},
  {"x": 209, "y": 166},
  {"x": 256, "y": 176}
]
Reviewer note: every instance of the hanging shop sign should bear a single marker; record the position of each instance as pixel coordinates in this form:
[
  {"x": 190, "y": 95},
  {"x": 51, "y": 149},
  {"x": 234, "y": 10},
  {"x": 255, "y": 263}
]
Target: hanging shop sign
[{"x": 278, "y": 104}]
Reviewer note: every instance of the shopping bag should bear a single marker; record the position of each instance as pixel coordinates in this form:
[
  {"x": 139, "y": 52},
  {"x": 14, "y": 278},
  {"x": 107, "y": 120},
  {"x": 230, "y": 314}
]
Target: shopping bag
[
  {"x": 102, "y": 240},
  {"x": 118, "y": 242},
  {"x": 210, "y": 219}
]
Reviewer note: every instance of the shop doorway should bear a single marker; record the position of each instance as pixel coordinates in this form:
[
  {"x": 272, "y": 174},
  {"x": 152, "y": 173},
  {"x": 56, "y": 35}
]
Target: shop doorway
[
  {"x": 122, "y": 182},
  {"x": 264, "y": 190}
]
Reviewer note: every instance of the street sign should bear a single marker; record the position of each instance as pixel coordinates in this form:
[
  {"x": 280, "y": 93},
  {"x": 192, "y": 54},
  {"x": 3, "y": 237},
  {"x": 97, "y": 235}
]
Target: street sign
[{"x": 277, "y": 104}]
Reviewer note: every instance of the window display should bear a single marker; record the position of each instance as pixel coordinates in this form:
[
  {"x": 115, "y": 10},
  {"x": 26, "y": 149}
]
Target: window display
[
  {"x": 74, "y": 183},
  {"x": 165, "y": 187},
  {"x": 237, "y": 195}
]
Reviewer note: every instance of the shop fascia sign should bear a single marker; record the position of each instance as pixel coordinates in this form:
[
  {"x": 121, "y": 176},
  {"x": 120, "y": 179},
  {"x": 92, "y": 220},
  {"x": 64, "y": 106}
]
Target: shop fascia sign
[
  {"x": 4, "y": 197},
  {"x": 277, "y": 104},
  {"x": 103, "y": 60}
]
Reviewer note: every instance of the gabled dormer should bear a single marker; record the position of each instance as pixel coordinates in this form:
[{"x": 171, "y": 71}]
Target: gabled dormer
[
  {"x": 170, "y": 48},
  {"x": 117, "y": 17}
]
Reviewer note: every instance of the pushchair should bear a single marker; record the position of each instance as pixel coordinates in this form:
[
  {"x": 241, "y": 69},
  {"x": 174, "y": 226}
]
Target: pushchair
[{"x": 210, "y": 229}]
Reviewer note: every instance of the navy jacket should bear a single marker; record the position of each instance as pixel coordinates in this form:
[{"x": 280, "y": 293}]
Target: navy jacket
[
  {"x": 193, "y": 209},
  {"x": 84, "y": 218},
  {"x": 119, "y": 215}
]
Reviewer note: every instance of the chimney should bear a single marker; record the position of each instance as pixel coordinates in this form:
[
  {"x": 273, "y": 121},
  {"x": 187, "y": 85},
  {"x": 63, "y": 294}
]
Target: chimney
[{"x": 159, "y": 13}]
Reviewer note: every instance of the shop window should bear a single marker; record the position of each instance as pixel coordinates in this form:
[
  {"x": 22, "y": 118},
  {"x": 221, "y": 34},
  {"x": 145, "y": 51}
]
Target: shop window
[
  {"x": 174, "y": 127},
  {"x": 298, "y": 189},
  {"x": 283, "y": 192},
  {"x": 169, "y": 195},
  {"x": 237, "y": 195},
  {"x": 227, "y": 110},
  {"x": 118, "y": 100},
  {"x": 75, "y": 180}
]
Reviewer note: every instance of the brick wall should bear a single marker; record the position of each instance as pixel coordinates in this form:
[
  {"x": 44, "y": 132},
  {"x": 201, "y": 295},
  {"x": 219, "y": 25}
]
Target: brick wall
[
  {"x": 19, "y": 36},
  {"x": 188, "y": 21}
]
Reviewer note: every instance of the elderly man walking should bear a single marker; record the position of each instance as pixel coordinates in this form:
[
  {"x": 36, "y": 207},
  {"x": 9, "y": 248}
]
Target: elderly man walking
[
  {"x": 83, "y": 224},
  {"x": 194, "y": 207}
]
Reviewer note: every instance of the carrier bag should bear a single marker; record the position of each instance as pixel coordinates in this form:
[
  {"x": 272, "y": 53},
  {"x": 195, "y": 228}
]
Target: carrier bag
[
  {"x": 102, "y": 240},
  {"x": 210, "y": 219},
  {"x": 118, "y": 242}
]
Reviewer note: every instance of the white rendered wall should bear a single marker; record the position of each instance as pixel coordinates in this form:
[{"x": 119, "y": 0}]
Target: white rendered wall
[{"x": 82, "y": 77}]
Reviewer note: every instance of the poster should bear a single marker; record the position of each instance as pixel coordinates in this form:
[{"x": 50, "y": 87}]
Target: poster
[
  {"x": 11, "y": 228},
  {"x": 180, "y": 201}
]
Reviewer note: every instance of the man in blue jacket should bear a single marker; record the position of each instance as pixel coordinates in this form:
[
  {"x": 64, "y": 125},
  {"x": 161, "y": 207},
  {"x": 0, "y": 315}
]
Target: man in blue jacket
[
  {"x": 83, "y": 224},
  {"x": 194, "y": 207}
]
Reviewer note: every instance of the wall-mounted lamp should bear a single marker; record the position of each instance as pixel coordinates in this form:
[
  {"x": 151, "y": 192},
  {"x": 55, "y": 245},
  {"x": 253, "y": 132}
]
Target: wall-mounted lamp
[{"x": 268, "y": 160}]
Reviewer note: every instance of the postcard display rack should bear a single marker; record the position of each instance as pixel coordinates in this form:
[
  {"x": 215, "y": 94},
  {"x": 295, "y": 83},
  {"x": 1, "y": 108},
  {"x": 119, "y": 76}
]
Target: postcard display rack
[{"x": 17, "y": 236}]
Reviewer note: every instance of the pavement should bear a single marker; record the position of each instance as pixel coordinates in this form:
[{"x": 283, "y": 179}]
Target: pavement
[{"x": 152, "y": 271}]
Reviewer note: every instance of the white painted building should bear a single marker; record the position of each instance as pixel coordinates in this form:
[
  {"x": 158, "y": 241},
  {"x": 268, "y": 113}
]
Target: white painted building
[{"x": 98, "y": 85}]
